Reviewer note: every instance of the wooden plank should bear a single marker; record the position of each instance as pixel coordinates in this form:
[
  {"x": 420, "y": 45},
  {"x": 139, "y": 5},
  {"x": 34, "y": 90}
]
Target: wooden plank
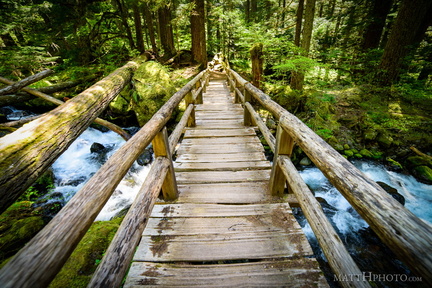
[
  {"x": 257, "y": 156},
  {"x": 222, "y": 176},
  {"x": 219, "y": 133},
  {"x": 223, "y": 140},
  {"x": 220, "y": 148},
  {"x": 254, "y": 192},
  {"x": 217, "y": 166},
  {"x": 216, "y": 210},
  {"x": 219, "y": 247},
  {"x": 228, "y": 226},
  {"x": 295, "y": 273}
]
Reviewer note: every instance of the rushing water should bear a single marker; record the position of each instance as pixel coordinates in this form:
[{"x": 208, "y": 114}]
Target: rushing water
[
  {"x": 364, "y": 246},
  {"x": 77, "y": 164}
]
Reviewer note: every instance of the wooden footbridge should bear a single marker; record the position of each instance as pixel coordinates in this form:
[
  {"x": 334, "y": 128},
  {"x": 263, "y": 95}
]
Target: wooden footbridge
[{"x": 226, "y": 220}]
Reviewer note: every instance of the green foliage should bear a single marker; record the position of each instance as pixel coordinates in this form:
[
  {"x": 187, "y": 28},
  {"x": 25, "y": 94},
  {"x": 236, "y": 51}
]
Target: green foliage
[{"x": 298, "y": 64}]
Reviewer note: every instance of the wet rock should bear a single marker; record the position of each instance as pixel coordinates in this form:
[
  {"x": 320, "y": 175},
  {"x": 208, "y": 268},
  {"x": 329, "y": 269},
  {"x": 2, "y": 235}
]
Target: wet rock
[
  {"x": 305, "y": 161},
  {"x": 370, "y": 134},
  {"x": 384, "y": 140},
  {"x": 393, "y": 192},
  {"x": 146, "y": 157},
  {"x": 97, "y": 148},
  {"x": 366, "y": 153}
]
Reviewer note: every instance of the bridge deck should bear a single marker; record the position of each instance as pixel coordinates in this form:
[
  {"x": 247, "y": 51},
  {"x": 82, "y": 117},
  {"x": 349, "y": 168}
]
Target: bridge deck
[{"x": 224, "y": 230}]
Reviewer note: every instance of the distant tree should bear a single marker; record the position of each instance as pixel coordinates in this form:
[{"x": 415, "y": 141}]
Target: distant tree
[
  {"x": 376, "y": 22},
  {"x": 166, "y": 34},
  {"x": 404, "y": 33},
  {"x": 149, "y": 20},
  {"x": 297, "y": 78},
  {"x": 138, "y": 26},
  {"x": 198, "y": 33}
]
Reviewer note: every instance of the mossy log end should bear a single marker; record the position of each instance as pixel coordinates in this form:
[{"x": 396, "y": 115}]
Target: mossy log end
[{"x": 26, "y": 153}]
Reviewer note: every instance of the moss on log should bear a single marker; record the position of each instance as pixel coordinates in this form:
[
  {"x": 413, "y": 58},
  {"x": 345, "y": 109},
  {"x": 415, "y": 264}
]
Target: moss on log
[{"x": 26, "y": 153}]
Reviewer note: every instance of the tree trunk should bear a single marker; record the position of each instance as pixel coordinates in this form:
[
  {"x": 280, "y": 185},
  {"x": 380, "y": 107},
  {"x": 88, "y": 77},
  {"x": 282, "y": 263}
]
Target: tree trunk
[
  {"x": 297, "y": 78},
  {"x": 165, "y": 31},
  {"x": 29, "y": 151},
  {"x": 247, "y": 11},
  {"x": 197, "y": 20},
  {"x": 403, "y": 34},
  {"x": 377, "y": 19},
  {"x": 138, "y": 28},
  {"x": 257, "y": 64},
  {"x": 253, "y": 10},
  {"x": 124, "y": 17},
  {"x": 151, "y": 31},
  {"x": 299, "y": 19}
]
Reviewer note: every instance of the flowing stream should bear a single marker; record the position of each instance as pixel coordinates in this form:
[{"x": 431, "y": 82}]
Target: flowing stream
[
  {"x": 365, "y": 247},
  {"x": 77, "y": 164}
]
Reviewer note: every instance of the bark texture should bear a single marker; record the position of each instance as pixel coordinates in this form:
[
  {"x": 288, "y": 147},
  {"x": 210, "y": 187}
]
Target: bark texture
[{"x": 197, "y": 19}]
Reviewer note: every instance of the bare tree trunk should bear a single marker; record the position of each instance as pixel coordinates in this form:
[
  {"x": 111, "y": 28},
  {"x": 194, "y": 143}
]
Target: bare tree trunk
[
  {"x": 197, "y": 20},
  {"x": 299, "y": 19},
  {"x": 29, "y": 151},
  {"x": 297, "y": 78},
  {"x": 404, "y": 33},
  {"x": 165, "y": 31},
  {"x": 138, "y": 28},
  {"x": 151, "y": 31},
  {"x": 377, "y": 19},
  {"x": 257, "y": 64}
]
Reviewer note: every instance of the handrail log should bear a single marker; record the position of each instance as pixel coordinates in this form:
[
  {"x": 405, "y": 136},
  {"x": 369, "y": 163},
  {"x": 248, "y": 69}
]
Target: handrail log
[
  {"x": 119, "y": 254},
  {"x": 26, "y": 153},
  {"x": 332, "y": 246},
  {"x": 409, "y": 237},
  {"x": 270, "y": 139},
  {"x": 113, "y": 127},
  {"x": 51, "y": 247}
]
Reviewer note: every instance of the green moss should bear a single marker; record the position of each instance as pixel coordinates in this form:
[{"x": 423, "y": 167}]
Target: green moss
[
  {"x": 349, "y": 153},
  {"x": 81, "y": 265},
  {"x": 394, "y": 163},
  {"x": 366, "y": 153},
  {"x": 153, "y": 88},
  {"x": 419, "y": 161},
  {"x": 18, "y": 224},
  {"x": 424, "y": 173}
]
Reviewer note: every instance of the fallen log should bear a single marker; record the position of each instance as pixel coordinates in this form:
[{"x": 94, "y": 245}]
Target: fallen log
[
  {"x": 56, "y": 101},
  {"x": 25, "y": 82},
  {"x": 26, "y": 153},
  {"x": 6, "y": 100}
]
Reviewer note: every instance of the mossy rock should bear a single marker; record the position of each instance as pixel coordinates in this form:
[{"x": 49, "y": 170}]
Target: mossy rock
[
  {"x": 153, "y": 87},
  {"x": 414, "y": 161},
  {"x": 18, "y": 224},
  {"x": 349, "y": 153},
  {"x": 366, "y": 153},
  {"x": 423, "y": 173},
  {"x": 83, "y": 262},
  {"x": 385, "y": 140},
  {"x": 394, "y": 164}
]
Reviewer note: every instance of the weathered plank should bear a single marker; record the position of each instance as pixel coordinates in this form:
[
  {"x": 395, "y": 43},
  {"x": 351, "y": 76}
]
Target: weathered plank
[
  {"x": 221, "y": 157},
  {"x": 243, "y": 192},
  {"x": 218, "y": 166},
  {"x": 221, "y": 148},
  {"x": 222, "y": 176},
  {"x": 216, "y": 210},
  {"x": 300, "y": 272},
  {"x": 219, "y": 133},
  {"x": 222, "y": 140}
]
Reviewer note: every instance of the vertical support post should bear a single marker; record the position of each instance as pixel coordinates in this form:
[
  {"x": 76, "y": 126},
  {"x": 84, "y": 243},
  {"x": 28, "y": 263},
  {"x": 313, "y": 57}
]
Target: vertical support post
[
  {"x": 236, "y": 96},
  {"x": 198, "y": 98},
  {"x": 284, "y": 146},
  {"x": 161, "y": 149},
  {"x": 189, "y": 100},
  {"x": 247, "y": 118}
]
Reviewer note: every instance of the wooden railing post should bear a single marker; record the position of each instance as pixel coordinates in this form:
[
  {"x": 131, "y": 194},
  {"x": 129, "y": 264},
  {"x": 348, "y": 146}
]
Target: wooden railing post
[
  {"x": 189, "y": 100},
  {"x": 247, "y": 119},
  {"x": 199, "y": 91},
  {"x": 284, "y": 146},
  {"x": 161, "y": 148}
]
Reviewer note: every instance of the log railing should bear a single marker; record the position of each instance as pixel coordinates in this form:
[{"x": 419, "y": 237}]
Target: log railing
[
  {"x": 406, "y": 235},
  {"x": 41, "y": 259}
]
